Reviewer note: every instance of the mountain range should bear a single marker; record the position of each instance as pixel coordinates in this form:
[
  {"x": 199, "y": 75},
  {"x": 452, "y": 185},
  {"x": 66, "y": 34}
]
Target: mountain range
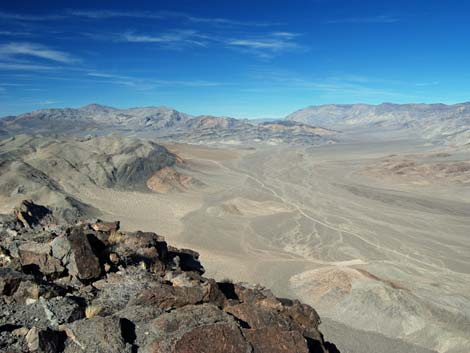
[
  {"x": 434, "y": 122},
  {"x": 164, "y": 123}
]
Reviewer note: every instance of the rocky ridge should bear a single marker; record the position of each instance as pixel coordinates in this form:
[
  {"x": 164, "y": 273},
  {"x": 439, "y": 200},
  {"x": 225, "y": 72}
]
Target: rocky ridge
[
  {"x": 160, "y": 122},
  {"x": 91, "y": 287},
  {"x": 439, "y": 123}
]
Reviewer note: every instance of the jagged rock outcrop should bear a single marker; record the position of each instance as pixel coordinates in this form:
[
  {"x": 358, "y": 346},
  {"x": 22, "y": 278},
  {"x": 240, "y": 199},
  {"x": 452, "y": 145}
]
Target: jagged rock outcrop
[{"x": 90, "y": 287}]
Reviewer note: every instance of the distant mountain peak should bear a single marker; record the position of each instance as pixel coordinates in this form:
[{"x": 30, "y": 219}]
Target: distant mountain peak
[
  {"x": 435, "y": 122},
  {"x": 97, "y": 107}
]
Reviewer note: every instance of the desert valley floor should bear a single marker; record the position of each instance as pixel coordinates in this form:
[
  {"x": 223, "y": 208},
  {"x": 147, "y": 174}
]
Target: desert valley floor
[{"x": 374, "y": 235}]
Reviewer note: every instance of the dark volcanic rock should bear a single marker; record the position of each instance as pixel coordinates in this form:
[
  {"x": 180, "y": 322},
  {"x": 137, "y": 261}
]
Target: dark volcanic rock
[
  {"x": 275, "y": 340},
  {"x": 97, "y": 335},
  {"x": 10, "y": 281},
  {"x": 75, "y": 252},
  {"x": 215, "y": 338},
  {"x": 40, "y": 255},
  {"x": 186, "y": 260},
  {"x": 45, "y": 341},
  {"x": 195, "y": 328},
  {"x": 30, "y": 214},
  {"x": 141, "y": 247},
  {"x": 62, "y": 310},
  {"x": 93, "y": 288}
]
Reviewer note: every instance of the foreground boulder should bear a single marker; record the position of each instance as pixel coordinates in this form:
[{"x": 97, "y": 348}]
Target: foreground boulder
[
  {"x": 39, "y": 256},
  {"x": 45, "y": 340},
  {"x": 75, "y": 252},
  {"x": 91, "y": 287}
]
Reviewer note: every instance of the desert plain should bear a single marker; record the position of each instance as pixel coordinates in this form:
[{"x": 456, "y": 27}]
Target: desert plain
[{"x": 373, "y": 234}]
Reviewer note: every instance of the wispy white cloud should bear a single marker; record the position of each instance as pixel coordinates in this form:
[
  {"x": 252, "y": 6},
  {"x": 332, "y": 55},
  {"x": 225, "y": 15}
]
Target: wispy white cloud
[
  {"x": 260, "y": 43},
  {"x": 426, "y": 84},
  {"x": 14, "y": 50},
  {"x": 11, "y": 66},
  {"x": 149, "y": 83},
  {"x": 164, "y": 15},
  {"x": 103, "y": 14},
  {"x": 11, "y": 84},
  {"x": 14, "y": 33},
  {"x": 365, "y": 20},
  {"x": 267, "y": 45},
  {"x": 210, "y": 31},
  {"x": 48, "y": 102},
  {"x": 29, "y": 17},
  {"x": 358, "y": 87},
  {"x": 101, "y": 75},
  {"x": 264, "y": 45},
  {"x": 106, "y": 14},
  {"x": 180, "y": 37},
  {"x": 217, "y": 20}
]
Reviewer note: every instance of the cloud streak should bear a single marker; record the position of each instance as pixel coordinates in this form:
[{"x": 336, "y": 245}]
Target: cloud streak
[
  {"x": 381, "y": 19},
  {"x": 27, "y": 17},
  {"x": 180, "y": 37},
  {"x": 348, "y": 85},
  {"x": 264, "y": 45},
  {"x": 163, "y": 15},
  {"x": 146, "y": 84},
  {"x": 16, "y": 49},
  {"x": 211, "y": 31},
  {"x": 48, "y": 102},
  {"x": 104, "y": 14},
  {"x": 426, "y": 84},
  {"x": 268, "y": 45},
  {"x": 10, "y": 66},
  {"x": 14, "y": 33},
  {"x": 109, "y": 14}
]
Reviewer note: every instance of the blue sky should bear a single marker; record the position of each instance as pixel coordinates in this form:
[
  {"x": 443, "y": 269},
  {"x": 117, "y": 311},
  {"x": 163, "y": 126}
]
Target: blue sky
[{"x": 247, "y": 59}]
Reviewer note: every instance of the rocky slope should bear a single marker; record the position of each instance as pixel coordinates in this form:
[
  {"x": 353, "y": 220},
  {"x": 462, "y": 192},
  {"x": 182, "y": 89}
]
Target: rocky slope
[
  {"x": 161, "y": 122},
  {"x": 90, "y": 287},
  {"x": 434, "y": 122},
  {"x": 54, "y": 170},
  {"x": 233, "y": 131},
  {"x": 168, "y": 179},
  {"x": 96, "y": 116}
]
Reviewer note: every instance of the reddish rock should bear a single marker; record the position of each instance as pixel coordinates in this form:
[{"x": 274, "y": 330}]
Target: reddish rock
[
  {"x": 186, "y": 260},
  {"x": 217, "y": 338},
  {"x": 76, "y": 254},
  {"x": 151, "y": 298},
  {"x": 39, "y": 255},
  {"x": 101, "y": 226},
  {"x": 274, "y": 340},
  {"x": 258, "y": 317},
  {"x": 145, "y": 247},
  {"x": 212, "y": 293},
  {"x": 196, "y": 329},
  {"x": 169, "y": 297},
  {"x": 304, "y": 316},
  {"x": 256, "y": 294}
]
